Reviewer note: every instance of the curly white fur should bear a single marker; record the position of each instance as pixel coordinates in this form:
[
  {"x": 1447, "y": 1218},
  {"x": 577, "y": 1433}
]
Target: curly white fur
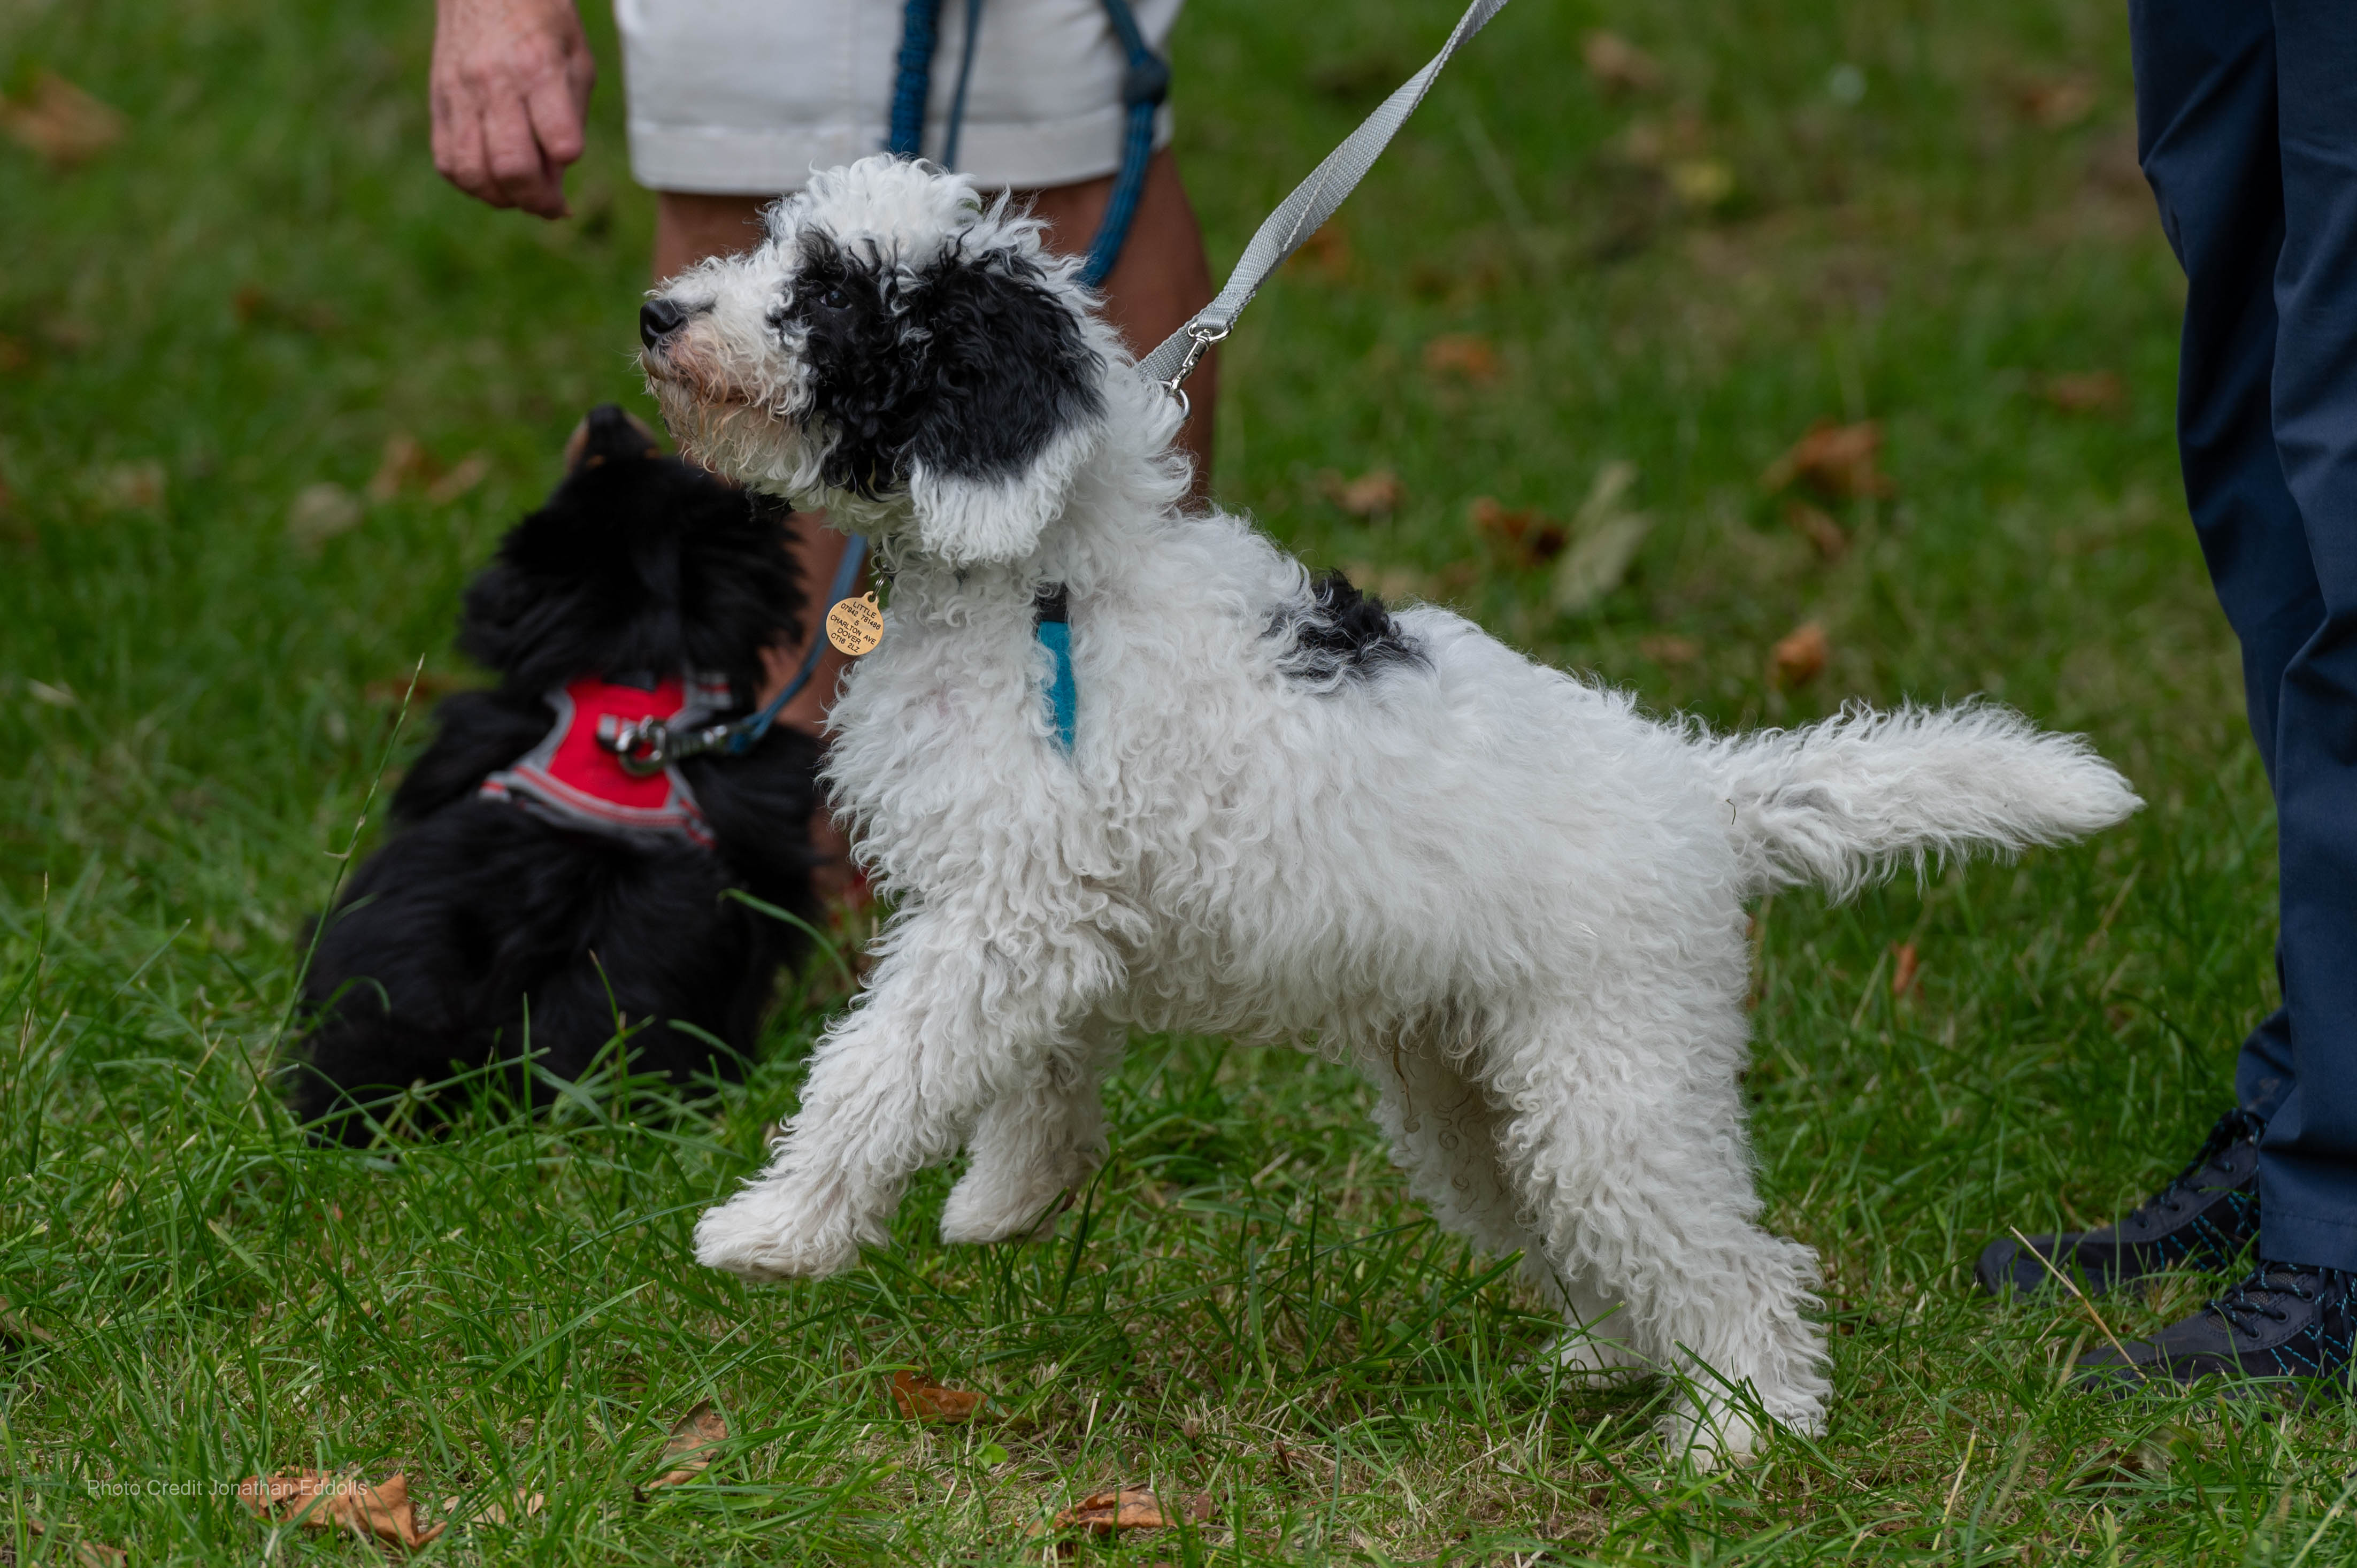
[{"x": 1513, "y": 899}]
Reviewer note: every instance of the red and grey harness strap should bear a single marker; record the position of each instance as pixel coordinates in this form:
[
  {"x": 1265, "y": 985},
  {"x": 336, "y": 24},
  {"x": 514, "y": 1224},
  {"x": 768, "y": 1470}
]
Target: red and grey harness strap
[{"x": 576, "y": 777}]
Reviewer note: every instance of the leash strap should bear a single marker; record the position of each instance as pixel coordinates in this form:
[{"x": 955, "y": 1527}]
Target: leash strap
[
  {"x": 747, "y": 733},
  {"x": 1299, "y": 215},
  {"x": 1144, "y": 86},
  {"x": 1052, "y": 623}
]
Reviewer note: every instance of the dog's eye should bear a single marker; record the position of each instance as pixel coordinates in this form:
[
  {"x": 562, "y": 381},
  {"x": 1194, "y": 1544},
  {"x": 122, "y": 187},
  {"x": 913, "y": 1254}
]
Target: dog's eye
[{"x": 833, "y": 298}]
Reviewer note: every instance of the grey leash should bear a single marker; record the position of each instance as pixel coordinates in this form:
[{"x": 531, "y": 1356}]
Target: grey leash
[{"x": 1299, "y": 215}]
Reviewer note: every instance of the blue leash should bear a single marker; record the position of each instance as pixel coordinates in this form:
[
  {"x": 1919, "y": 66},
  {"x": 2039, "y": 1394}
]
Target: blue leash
[
  {"x": 1143, "y": 87},
  {"x": 746, "y": 734}
]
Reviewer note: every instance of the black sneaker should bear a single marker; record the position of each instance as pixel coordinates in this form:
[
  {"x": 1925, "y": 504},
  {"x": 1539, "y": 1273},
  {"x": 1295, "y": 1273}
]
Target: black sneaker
[
  {"x": 2203, "y": 1220},
  {"x": 2282, "y": 1321}
]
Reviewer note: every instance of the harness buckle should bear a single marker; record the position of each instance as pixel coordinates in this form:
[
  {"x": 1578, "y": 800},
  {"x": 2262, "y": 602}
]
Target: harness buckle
[{"x": 640, "y": 745}]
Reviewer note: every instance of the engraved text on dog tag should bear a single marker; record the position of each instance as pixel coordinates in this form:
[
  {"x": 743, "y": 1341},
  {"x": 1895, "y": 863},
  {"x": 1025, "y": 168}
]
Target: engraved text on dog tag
[{"x": 854, "y": 626}]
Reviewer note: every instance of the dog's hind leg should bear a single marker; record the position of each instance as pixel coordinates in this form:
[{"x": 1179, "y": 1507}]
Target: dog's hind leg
[
  {"x": 1444, "y": 1134},
  {"x": 965, "y": 1007},
  {"x": 1032, "y": 1150},
  {"x": 1624, "y": 1135}
]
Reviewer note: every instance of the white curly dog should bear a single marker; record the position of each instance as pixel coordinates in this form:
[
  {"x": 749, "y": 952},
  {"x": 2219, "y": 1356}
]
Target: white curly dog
[{"x": 1279, "y": 812}]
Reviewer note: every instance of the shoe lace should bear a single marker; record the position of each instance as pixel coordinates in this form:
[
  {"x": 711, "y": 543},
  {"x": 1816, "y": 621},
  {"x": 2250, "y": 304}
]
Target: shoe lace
[
  {"x": 2237, "y": 1126},
  {"x": 2264, "y": 1292}
]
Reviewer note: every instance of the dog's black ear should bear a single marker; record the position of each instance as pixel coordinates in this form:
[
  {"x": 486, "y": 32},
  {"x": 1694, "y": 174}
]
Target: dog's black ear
[
  {"x": 1012, "y": 382},
  {"x": 609, "y": 433}
]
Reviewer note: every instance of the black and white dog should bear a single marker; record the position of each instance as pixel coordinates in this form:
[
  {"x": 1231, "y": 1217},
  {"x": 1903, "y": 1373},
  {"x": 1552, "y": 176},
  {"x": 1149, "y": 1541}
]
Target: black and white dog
[
  {"x": 1123, "y": 764},
  {"x": 536, "y": 896}
]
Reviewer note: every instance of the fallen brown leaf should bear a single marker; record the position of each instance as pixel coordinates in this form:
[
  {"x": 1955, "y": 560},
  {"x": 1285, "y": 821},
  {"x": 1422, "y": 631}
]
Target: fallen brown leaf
[
  {"x": 1837, "y": 461},
  {"x": 1618, "y": 65},
  {"x": 61, "y": 121},
  {"x": 464, "y": 476},
  {"x": 1522, "y": 536},
  {"x": 1465, "y": 354},
  {"x": 321, "y": 512},
  {"x": 13, "y": 354},
  {"x": 405, "y": 463},
  {"x": 320, "y": 1502},
  {"x": 89, "y": 1553},
  {"x": 1669, "y": 649},
  {"x": 1818, "y": 527},
  {"x": 689, "y": 1451},
  {"x": 1375, "y": 493},
  {"x": 1799, "y": 657},
  {"x": 1129, "y": 1508},
  {"x": 17, "y": 1332},
  {"x": 1905, "y": 965},
  {"x": 2056, "y": 105},
  {"x": 1325, "y": 254},
  {"x": 921, "y": 1399},
  {"x": 2096, "y": 391}
]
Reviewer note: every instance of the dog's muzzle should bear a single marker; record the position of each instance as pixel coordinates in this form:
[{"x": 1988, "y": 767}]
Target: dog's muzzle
[{"x": 658, "y": 319}]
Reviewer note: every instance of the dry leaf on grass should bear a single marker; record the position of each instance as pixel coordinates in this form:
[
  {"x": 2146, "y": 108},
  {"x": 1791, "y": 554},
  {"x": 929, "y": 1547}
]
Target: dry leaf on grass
[
  {"x": 1669, "y": 649},
  {"x": 88, "y": 1553},
  {"x": 1701, "y": 183},
  {"x": 321, "y": 512},
  {"x": 1819, "y": 528},
  {"x": 693, "y": 1437},
  {"x": 921, "y": 1399},
  {"x": 1521, "y": 536},
  {"x": 405, "y": 463},
  {"x": 1837, "y": 461},
  {"x": 1375, "y": 493},
  {"x": 464, "y": 476},
  {"x": 1905, "y": 965},
  {"x": 61, "y": 121},
  {"x": 1467, "y": 355},
  {"x": 2056, "y": 105},
  {"x": 1618, "y": 65},
  {"x": 1801, "y": 657},
  {"x": 2097, "y": 391},
  {"x": 1129, "y": 1508},
  {"x": 320, "y": 1502},
  {"x": 1325, "y": 254},
  {"x": 1605, "y": 538}
]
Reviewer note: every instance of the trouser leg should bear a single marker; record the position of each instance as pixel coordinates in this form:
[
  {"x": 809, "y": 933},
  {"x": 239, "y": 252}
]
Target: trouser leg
[
  {"x": 2206, "y": 124},
  {"x": 2308, "y": 1161}
]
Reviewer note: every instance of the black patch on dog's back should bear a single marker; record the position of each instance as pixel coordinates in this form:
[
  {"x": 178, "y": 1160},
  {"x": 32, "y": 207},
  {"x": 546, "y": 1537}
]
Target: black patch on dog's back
[
  {"x": 1340, "y": 632},
  {"x": 970, "y": 365}
]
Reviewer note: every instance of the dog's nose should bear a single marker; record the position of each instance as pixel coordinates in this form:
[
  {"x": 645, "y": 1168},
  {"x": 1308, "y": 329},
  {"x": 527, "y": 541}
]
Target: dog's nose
[{"x": 658, "y": 319}]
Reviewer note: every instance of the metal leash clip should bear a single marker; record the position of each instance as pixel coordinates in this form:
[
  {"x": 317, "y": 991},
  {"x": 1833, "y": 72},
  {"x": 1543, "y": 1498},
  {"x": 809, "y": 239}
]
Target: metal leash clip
[
  {"x": 646, "y": 746},
  {"x": 1200, "y": 339}
]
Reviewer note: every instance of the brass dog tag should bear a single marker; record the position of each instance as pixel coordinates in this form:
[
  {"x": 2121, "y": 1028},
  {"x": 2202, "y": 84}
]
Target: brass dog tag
[{"x": 854, "y": 626}]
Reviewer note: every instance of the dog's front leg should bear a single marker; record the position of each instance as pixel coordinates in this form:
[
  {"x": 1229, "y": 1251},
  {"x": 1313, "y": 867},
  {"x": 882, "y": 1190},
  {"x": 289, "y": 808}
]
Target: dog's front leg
[
  {"x": 1032, "y": 1149},
  {"x": 964, "y": 1011}
]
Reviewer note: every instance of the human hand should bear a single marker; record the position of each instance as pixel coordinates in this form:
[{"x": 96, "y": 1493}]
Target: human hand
[{"x": 510, "y": 86}]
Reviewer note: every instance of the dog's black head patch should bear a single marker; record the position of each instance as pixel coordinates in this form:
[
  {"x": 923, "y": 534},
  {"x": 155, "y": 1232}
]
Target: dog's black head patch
[
  {"x": 637, "y": 563},
  {"x": 1340, "y": 632},
  {"x": 968, "y": 365}
]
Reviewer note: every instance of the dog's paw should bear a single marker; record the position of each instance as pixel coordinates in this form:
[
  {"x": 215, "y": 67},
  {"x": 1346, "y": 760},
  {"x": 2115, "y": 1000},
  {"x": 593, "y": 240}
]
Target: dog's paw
[
  {"x": 757, "y": 1236},
  {"x": 981, "y": 1212}
]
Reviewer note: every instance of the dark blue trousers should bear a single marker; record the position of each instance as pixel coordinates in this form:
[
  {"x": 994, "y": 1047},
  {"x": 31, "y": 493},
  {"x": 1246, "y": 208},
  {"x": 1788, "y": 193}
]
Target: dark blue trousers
[{"x": 2247, "y": 125}]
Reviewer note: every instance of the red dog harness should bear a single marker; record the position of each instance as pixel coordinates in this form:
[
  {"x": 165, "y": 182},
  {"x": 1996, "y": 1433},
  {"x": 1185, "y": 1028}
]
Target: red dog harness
[{"x": 574, "y": 780}]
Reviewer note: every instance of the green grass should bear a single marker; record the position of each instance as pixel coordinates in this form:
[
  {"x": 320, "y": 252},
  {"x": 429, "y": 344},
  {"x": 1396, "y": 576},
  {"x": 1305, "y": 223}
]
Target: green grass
[{"x": 267, "y": 282}]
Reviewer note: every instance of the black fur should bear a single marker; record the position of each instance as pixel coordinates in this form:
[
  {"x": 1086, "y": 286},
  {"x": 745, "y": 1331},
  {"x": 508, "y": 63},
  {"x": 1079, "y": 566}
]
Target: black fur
[
  {"x": 1340, "y": 632},
  {"x": 969, "y": 366},
  {"x": 475, "y": 912}
]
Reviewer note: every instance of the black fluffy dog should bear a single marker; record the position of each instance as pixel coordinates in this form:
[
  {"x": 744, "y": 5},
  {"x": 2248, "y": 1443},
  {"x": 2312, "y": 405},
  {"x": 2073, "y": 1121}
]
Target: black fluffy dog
[{"x": 538, "y": 897}]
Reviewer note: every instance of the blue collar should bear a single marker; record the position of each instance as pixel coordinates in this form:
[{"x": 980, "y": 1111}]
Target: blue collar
[{"x": 1052, "y": 623}]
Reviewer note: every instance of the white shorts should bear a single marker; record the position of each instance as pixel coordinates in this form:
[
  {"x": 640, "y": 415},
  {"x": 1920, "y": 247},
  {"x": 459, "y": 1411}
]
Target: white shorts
[{"x": 745, "y": 97}]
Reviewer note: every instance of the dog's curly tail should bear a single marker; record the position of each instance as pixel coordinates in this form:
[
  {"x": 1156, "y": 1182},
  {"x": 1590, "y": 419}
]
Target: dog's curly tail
[{"x": 1845, "y": 802}]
